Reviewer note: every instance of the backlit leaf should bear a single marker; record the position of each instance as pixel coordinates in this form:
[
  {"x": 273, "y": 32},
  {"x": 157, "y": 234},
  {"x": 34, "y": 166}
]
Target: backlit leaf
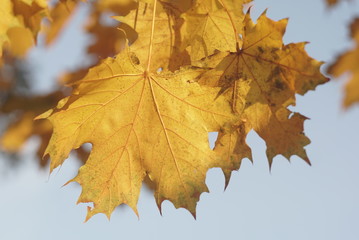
[
  {"x": 262, "y": 78},
  {"x": 139, "y": 123}
]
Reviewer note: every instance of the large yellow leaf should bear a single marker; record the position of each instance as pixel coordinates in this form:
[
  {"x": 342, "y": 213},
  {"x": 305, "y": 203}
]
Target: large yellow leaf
[
  {"x": 349, "y": 62},
  {"x": 262, "y": 78},
  {"x": 139, "y": 123}
]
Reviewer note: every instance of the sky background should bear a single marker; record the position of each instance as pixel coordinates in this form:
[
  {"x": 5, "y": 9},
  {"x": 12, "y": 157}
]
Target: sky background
[{"x": 293, "y": 202}]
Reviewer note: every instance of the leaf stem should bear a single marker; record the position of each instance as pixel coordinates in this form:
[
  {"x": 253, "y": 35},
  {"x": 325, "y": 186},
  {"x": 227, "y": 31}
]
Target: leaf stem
[{"x": 151, "y": 38}]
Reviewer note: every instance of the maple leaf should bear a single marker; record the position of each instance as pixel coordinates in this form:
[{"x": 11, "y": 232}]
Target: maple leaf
[
  {"x": 262, "y": 78},
  {"x": 139, "y": 123},
  {"x": 348, "y": 62},
  {"x": 209, "y": 26}
]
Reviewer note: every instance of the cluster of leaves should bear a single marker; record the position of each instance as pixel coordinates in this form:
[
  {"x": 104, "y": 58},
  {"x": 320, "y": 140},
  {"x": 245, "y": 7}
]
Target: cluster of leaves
[
  {"x": 348, "y": 62},
  {"x": 19, "y": 26},
  {"x": 169, "y": 73}
]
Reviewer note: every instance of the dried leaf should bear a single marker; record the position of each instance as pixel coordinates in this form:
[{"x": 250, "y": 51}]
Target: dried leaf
[{"x": 262, "y": 78}]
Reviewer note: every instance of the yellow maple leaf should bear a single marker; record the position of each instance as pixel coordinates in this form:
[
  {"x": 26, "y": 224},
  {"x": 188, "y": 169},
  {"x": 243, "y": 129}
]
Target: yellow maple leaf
[
  {"x": 140, "y": 123},
  {"x": 348, "y": 62},
  {"x": 262, "y": 78}
]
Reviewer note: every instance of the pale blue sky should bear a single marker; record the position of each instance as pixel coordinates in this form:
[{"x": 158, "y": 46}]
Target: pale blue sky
[{"x": 293, "y": 202}]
